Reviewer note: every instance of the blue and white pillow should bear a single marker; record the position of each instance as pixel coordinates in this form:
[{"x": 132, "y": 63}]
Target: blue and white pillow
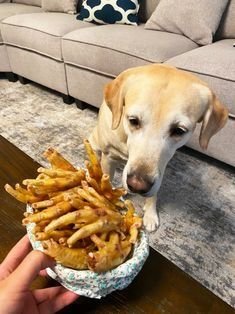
[{"x": 109, "y": 11}]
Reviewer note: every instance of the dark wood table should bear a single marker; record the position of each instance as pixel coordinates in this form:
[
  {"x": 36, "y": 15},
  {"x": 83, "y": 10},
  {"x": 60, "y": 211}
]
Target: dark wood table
[{"x": 160, "y": 287}]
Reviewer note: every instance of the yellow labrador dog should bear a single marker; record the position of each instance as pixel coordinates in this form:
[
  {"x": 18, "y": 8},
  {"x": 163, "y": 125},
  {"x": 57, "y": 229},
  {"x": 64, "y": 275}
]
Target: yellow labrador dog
[{"x": 148, "y": 112}]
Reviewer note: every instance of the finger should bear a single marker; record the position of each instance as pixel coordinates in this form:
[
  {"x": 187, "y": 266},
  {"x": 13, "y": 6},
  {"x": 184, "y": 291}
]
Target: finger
[
  {"x": 42, "y": 295},
  {"x": 43, "y": 273},
  {"x": 29, "y": 269},
  {"x": 15, "y": 257},
  {"x": 61, "y": 300}
]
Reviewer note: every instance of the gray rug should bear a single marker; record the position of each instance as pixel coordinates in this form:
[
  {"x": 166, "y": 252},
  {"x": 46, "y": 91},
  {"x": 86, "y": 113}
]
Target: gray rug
[{"x": 196, "y": 200}]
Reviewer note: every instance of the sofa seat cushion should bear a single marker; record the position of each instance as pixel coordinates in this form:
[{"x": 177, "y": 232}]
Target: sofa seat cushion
[
  {"x": 29, "y": 2},
  {"x": 215, "y": 64},
  {"x": 111, "y": 49},
  {"x": 10, "y": 9},
  {"x": 40, "y": 32}
]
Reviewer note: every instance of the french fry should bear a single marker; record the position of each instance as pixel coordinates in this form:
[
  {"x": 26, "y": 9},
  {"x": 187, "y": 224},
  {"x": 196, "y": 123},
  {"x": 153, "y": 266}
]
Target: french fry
[
  {"x": 103, "y": 225},
  {"x": 22, "y": 190},
  {"x": 129, "y": 214},
  {"x": 40, "y": 226},
  {"x": 94, "y": 161},
  {"x": 57, "y": 160},
  {"x": 103, "y": 236},
  {"x": 108, "y": 256},
  {"x": 134, "y": 229},
  {"x": 22, "y": 197},
  {"x": 56, "y": 184},
  {"x": 49, "y": 213},
  {"x": 77, "y": 202},
  {"x": 55, "y": 235},
  {"x": 41, "y": 176},
  {"x": 95, "y": 198},
  {"x": 86, "y": 215},
  {"x": 55, "y": 172},
  {"x": 99, "y": 242},
  {"x": 75, "y": 258},
  {"x": 64, "y": 195},
  {"x": 90, "y": 169},
  {"x": 105, "y": 184},
  {"x": 93, "y": 183},
  {"x": 42, "y": 204},
  {"x": 117, "y": 193}
]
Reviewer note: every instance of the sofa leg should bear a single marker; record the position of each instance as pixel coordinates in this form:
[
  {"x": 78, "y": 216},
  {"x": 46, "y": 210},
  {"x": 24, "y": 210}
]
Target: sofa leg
[
  {"x": 81, "y": 104},
  {"x": 23, "y": 80},
  {"x": 12, "y": 77},
  {"x": 68, "y": 100}
]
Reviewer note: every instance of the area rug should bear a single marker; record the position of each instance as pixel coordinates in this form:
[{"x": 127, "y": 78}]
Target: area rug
[{"x": 196, "y": 199}]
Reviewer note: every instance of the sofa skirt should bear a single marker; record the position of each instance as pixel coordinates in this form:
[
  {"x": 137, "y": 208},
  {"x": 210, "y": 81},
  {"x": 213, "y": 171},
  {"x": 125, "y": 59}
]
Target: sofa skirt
[
  {"x": 38, "y": 68},
  {"x": 86, "y": 85},
  {"x": 4, "y": 61}
]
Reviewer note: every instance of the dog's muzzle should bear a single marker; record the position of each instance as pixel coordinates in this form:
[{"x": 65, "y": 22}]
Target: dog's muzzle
[{"x": 138, "y": 184}]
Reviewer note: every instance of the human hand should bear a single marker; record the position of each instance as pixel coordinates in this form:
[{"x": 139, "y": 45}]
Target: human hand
[{"x": 17, "y": 272}]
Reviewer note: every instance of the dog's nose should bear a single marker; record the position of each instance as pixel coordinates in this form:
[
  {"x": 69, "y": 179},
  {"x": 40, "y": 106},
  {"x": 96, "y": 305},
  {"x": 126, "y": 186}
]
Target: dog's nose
[{"x": 138, "y": 184}]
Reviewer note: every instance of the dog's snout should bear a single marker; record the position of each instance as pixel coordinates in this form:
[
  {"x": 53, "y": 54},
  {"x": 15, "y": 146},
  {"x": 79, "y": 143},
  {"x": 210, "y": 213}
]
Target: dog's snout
[{"x": 138, "y": 184}]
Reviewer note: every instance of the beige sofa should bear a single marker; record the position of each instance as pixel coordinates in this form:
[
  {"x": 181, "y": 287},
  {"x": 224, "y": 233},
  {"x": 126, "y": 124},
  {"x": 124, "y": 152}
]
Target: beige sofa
[{"x": 78, "y": 58}]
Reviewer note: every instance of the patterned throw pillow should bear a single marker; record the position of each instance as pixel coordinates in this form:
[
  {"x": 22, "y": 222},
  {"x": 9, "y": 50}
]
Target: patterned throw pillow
[{"x": 109, "y": 11}]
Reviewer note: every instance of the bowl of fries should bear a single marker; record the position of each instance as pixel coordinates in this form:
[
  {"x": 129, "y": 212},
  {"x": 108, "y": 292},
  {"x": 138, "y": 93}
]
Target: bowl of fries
[{"x": 78, "y": 218}]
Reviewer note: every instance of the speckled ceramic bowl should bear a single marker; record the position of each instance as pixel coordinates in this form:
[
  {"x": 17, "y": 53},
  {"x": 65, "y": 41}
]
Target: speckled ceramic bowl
[{"x": 96, "y": 285}]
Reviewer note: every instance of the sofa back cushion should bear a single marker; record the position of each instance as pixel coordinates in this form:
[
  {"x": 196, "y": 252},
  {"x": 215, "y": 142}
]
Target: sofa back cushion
[
  {"x": 29, "y": 2},
  {"x": 146, "y": 9},
  {"x": 65, "y": 6},
  {"x": 197, "y": 20},
  {"x": 227, "y": 25}
]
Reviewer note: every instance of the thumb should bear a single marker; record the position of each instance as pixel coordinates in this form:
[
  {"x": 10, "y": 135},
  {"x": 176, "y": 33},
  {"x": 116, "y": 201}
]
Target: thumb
[{"x": 29, "y": 268}]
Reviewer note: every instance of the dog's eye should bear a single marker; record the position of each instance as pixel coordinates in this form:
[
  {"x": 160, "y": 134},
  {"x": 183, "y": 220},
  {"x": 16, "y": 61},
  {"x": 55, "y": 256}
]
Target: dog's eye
[
  {"x": 178, "y": 131},
  {"x": 134, "y": 121}
]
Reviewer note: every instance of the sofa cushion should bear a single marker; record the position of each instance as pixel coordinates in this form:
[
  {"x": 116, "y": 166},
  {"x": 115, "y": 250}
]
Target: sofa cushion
[
  {"x": 221, "y": 145},
  {"x": 65, "y": 6},
  {"x": 147, "y": 8},
  {"x": 40, "y": 32},
  {"x": 215, "y": 64},
  {"x": 227, "y": 25},
  {"x": 29, "y": 2},
  {"x": 198, "y": 20},
  {"x": 4, "y": 60},
  {"x": 9, "y": 9},
  {"x": 109, "y": 11},
  {"x": 118, "y": 47}
]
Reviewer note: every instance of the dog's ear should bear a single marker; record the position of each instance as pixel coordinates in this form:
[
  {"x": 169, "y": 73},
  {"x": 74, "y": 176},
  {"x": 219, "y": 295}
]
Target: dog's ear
[
  {"x": 114, "y": 95},
  {"x": 213, "y": 120}
]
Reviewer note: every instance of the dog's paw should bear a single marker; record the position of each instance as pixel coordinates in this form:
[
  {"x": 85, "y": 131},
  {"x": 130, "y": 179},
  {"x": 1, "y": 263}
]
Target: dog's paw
[{"x": 151, "y": 221}]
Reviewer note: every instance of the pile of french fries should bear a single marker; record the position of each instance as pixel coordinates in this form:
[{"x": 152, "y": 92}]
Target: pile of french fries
[{"x": 79, "y": 217}]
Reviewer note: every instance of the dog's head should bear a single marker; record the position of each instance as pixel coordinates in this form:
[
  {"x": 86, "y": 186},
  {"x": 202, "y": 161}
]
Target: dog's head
[{"x": 159, "y": 107}]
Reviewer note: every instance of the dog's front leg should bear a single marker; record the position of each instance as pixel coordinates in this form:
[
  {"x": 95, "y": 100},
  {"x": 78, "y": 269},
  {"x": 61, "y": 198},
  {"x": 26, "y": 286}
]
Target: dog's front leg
[
  {"x": 108, "y": 165},
  {"x": 151, "y": 218}
]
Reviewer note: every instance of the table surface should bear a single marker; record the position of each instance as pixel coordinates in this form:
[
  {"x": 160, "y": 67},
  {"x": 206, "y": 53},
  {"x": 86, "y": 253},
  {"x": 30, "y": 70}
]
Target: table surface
[{"x": 160, "y": 287}]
